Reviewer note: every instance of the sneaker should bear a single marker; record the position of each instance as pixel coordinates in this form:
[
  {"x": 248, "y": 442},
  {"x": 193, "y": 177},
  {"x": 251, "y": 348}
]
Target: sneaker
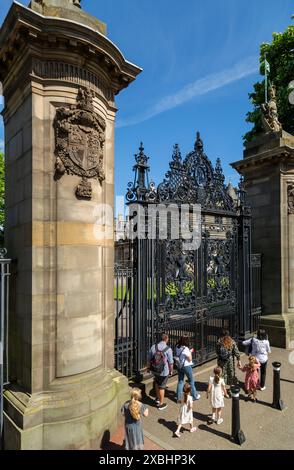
[
  {"x": 198, "y": 396},
  {"x": 156, "y": 401},
  {"x": 193, "y": 429},
  {"x": 220, "y": 421},
  {"x": 162, "y": 407},
  {"x": 177, "y": 433},
  {"x": 262, "y": 388}
]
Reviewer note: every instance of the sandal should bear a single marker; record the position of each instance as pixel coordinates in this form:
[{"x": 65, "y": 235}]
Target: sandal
[{"x": 193, "y": 429}]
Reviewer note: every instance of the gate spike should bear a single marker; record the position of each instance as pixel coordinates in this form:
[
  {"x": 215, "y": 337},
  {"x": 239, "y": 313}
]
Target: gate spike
[{"x": 199, "y": 142}]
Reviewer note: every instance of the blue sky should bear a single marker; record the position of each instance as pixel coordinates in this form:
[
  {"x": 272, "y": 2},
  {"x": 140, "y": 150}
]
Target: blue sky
[{"x": 199, "y": 60}]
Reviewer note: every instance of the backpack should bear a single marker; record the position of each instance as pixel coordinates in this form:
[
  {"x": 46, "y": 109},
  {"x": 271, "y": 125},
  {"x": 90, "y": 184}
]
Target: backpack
[
  {"x": 158, "y": 360},
  {"x": 178, "y": 363},
  {"x": 224, "y": 353}
]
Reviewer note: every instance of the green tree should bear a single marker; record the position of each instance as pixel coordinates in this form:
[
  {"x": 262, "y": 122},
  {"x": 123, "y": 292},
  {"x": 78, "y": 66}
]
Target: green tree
[
  {"x": 2, "y": 195},
  {"x": 280, "y": 55}
]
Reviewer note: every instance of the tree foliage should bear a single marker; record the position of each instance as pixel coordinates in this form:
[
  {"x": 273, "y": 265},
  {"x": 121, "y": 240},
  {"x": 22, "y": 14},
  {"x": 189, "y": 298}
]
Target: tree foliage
[{"x": 280, "y": 55}]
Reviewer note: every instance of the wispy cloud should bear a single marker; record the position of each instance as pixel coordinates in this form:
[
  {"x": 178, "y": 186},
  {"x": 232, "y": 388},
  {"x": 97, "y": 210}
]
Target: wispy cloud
[{"x": 199, "y": 87}]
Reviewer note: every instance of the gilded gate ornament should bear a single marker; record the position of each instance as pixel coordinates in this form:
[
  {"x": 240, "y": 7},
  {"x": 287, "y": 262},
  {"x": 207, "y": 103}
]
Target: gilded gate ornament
[{"x": 79, "y": 143}]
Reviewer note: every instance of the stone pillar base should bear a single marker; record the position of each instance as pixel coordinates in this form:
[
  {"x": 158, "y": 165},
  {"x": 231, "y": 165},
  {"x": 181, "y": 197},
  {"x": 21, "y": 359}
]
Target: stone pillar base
[
  {"x": 77, "y": 413},
  {"x": 280, "y": 329}
]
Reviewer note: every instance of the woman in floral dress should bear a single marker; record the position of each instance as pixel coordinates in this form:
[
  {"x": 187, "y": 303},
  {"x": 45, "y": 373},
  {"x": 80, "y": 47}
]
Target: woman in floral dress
[{"x": 227, "y": 350}]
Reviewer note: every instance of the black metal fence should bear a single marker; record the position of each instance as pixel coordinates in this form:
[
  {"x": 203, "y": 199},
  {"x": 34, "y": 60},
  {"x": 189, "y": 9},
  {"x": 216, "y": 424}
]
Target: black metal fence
[
  {"x": 4, "y": 298},
  {"x": 125, "y": 341}
]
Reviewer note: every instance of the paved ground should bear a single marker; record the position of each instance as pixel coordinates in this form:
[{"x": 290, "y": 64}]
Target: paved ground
[{"x": 263, "y": 426}]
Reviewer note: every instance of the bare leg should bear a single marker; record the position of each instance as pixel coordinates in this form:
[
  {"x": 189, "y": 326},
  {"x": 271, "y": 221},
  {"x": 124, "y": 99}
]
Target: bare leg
[
  {"x": 214, "y": 414},
  {"x": 192, "y": 427},
  {"x": 161, "y": 395},
  {"x": 177, "y": 432},
  {"x": 219, "y": 416},
  {"x": 156, "y": 391}
]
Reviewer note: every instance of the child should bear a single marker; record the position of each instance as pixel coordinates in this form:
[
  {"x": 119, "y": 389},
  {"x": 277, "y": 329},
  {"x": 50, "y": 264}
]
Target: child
[
  {"x": 133, "y": 411},
  {"x": 251, "y": 377},
  {"x": 186, "y": 411},
  {"x": 217, "y": 389}
]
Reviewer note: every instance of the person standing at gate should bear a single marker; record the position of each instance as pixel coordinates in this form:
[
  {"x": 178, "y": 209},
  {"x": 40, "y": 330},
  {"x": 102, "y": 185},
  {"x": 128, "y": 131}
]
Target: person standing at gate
[
  {"x": 161, "y": 365},
  {"x": 227, "y": 350},
  {"x": 184, "y": 363},
  {"x": 133, "y": 411},
  {"x": 251, "y": 377},
  {"x": 217, "y": 389},
  {"x": 260, "y": 348}
]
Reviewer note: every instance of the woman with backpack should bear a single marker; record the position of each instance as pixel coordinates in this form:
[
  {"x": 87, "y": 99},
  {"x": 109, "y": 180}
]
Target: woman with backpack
[
  {"x": 184, "y": 363},
  {"x": 260, "y": 348},
  {"x": 227, "y": 350}
]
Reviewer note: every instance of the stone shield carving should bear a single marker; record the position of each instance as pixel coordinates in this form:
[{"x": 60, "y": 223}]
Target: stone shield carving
[
  {"x": 79, "y": 143},
  {"x": 291, "y": 199}
]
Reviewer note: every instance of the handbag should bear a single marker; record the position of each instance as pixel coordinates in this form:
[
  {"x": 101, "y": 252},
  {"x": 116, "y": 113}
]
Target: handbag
[{"x": 250, "y": 347}]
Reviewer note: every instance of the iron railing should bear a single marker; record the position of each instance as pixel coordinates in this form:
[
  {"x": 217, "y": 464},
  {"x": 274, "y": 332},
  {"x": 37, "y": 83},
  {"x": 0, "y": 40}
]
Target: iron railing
[
  {"x": 4, "y": 299},
  {"x": 125, "y": 340}
]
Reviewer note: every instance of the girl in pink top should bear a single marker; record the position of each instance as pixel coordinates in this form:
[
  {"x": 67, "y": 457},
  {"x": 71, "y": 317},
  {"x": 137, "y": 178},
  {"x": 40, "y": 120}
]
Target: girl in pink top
[{"x": 251, "y": 377}]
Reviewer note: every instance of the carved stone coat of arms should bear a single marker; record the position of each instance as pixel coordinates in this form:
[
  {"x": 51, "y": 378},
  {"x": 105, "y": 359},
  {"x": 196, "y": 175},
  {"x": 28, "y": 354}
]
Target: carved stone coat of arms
[{"x": 79, "y": 143}]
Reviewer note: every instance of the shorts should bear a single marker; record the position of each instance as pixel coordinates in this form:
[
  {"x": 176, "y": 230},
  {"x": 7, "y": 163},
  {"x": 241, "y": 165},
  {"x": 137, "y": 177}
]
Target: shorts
[{"x": 161, "y": 381}]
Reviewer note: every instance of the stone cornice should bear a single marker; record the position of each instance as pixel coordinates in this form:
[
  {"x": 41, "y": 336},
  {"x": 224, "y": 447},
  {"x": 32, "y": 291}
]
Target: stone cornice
[
  {"x": 276, "y": 155},
  {"x": 23, "y": 27}
]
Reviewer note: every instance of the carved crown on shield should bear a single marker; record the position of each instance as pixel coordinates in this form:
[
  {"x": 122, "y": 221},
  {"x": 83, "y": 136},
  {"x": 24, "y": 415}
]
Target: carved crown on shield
[{"x": 79, "y": 143}]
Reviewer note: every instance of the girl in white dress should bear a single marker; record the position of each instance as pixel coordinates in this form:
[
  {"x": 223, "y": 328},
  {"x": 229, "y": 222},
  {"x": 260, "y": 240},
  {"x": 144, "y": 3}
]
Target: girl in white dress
[
  {"x": 186, "y": 411},
  {"x": 217, "y": 390}
]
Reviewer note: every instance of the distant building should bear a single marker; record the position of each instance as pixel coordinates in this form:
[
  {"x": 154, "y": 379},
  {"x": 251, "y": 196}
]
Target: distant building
[{"x": 121, "y": 227}]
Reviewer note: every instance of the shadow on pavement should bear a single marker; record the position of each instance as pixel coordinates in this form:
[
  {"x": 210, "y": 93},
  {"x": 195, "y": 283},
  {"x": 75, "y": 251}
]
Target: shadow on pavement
[
  {"x": 201, "y": 386},
  {"x": 264, "y": 403},
  {"x": 200, "y": 416},
  {"x": 171, "y": 425},
  {"x": 224, "y": 435},
  {"x": 287, "y": 380},
  {"x": 107, "y": 444}
]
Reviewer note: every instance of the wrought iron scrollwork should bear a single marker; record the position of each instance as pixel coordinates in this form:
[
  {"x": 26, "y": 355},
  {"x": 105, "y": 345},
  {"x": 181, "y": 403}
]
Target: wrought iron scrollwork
[
  {"x": 179, "y": 282},
  {"x": 141, "y": 190},
  {"x": 195, "y": 180},
  {"x": 219, "y": 253},
  {"x": 175, "y": 184},
  {"x": 192, "y": 179}
]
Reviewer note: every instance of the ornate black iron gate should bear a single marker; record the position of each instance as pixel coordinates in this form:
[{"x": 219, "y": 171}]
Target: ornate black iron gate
[{"x": 178, "y": 287}]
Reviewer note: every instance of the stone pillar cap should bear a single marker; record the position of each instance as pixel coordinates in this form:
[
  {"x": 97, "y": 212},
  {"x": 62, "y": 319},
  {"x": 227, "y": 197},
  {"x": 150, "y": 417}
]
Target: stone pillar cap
[{"x": 68, "y": 9}]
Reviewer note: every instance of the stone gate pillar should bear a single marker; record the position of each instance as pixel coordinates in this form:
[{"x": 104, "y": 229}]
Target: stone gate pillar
[
  {"x": 268, "y": 169},
  {"x": 60, "y": 74}
]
